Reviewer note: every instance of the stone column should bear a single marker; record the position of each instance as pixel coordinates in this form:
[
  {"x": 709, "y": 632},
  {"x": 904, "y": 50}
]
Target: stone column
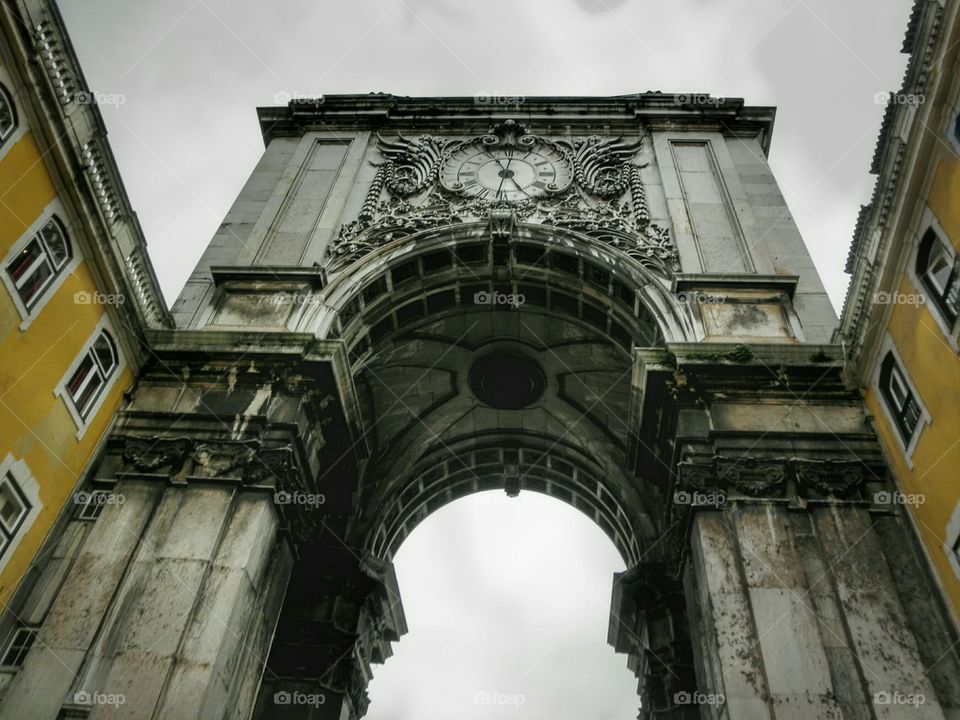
[
  {"x": 342, "y": 613},
  {"x": 648, "y": 622},
  {"x": 790, "y": 584},
  {"x": 166, "y": 605},
  {"x": 806, "y": 595}
]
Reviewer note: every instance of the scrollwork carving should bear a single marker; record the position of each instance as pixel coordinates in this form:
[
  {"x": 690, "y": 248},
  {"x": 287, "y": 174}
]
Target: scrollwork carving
[
  {"x": 831, "y": 478},
  {"x": 607, "y": 199},
  {"x": 601, "y": 165},
  {"x": 768, "y": 478},
  {"x": 152, "y": 455},
  {"x": 751, "y": 476}
]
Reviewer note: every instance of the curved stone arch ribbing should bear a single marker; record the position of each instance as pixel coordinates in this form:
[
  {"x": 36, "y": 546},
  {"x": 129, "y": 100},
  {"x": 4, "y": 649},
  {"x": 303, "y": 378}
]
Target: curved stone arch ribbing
[
  {"x": 542, "y": 465},
  {"x": 360, "y": 303}
]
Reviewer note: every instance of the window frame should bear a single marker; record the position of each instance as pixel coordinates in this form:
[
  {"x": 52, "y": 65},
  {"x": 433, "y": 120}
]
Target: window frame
[
  {"x": 953, "y": 128},
  {"x": 933, "y": 246},
  {"x": 56, "y": 212},
  {"x": 929, "y": 222},
  {"x": 92, "y": 509},
  {"x": 894, "y": 415},
  {"x": 19, "y": 630},
  {"x": 20, "y": 128},
  {"x": 45, "y": 256},
  {"x": 7, "y": 534},
  {"x": 951, "y": 544},
  {"x": 900, "y": 399},
  {"x": 83, "y": 419},
  {"x": 28, "y": 489},
  {"x": 7, "y": 98}
]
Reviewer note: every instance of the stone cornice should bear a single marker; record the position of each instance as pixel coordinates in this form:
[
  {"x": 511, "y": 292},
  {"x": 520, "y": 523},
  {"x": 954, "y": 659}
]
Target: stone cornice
[
  {"x": 579, "y": 114},
  {"x": 905, "y": 142},
  {"x": 67, "y": 123}
]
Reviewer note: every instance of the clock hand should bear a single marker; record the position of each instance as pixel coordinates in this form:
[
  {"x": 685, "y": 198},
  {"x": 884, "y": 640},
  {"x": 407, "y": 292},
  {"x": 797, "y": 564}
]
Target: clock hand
[
  {"x": 495, "y": 159},
  {"x": 517, "y": 186}
]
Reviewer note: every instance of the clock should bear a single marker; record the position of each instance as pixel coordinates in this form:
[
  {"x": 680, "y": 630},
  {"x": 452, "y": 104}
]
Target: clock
[{"x": 506, "y": 173}]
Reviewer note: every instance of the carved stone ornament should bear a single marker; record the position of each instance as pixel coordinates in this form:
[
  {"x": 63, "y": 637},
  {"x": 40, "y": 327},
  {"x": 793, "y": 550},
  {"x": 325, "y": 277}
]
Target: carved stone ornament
[
  {"x": 589, "y": 185},
  {"x": 752, "y": 477},
  {"x": 746, "y": 476},
  {"x": 152, "y": 455},
  {"x": 247, "y": 461},
  {"x": 831, "y": 478},
  {"x": 220, "y": 460},
  {"x": 840, "y": 479}
]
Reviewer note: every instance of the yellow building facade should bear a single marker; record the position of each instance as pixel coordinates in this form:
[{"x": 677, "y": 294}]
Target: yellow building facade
[
  {"x": 76, "y": 291},
  {"x": 900, "y": 324}
]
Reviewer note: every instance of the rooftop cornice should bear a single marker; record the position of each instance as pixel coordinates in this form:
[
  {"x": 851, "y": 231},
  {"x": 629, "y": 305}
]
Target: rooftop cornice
[
  {"x": 70, "y": 124},
  {"x": 900, "y": 146},
  {"x": 377, "y": 111}
]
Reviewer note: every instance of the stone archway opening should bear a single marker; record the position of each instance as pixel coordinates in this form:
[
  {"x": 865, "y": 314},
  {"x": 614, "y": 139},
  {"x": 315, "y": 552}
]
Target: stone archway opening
[{"x": 507, "y": 603}]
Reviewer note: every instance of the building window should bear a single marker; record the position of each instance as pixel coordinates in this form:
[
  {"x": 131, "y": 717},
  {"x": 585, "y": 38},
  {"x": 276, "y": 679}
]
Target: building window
[
  {"x": 939, "y": 269},
  {"x": 91, "y": 504},
  {"x": 952, "y": 544},
  {"x": 8, "y": 115},
  {"x": 20, "y": 645},
  {"x": 96, "y": 367},
  {"x": 41, "y": 260},
  {"x": 899, "y": 398},
  {"x": 14, "y": 508}
]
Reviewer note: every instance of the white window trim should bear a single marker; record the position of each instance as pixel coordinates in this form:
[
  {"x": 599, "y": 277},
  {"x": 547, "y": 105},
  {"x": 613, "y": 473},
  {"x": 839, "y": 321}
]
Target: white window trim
[
  {"x": 61, "y": 390},
  {"x": 28, "y": 316},
  {"x": 31, "y": 489},
  {"x": 21, "y": 128},
  {"x": 924, "y": 419},
  {"x": 929, "y": 220},
  {"x": 951, "y": 123},
  {"x": 952, "y": 535}
]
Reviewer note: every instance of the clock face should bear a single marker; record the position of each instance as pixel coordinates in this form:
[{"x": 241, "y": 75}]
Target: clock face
[{"x": 508, "y": 174}]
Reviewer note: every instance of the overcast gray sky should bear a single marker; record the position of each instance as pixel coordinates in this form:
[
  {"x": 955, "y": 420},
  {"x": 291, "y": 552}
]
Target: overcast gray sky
[{"x": 191, "y": 72}]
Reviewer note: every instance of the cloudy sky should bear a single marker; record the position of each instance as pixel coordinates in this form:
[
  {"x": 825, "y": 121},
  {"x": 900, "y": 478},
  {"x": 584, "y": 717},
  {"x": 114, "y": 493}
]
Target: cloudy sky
[{"x": 500, "y": 595}]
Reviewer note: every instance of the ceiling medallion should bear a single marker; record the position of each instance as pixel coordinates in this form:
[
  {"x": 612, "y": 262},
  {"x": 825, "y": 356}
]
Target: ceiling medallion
[{"x": 507, "y": 382}]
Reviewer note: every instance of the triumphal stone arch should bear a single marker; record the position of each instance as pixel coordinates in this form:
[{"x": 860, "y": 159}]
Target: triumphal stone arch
[{"x": 414, "y": 299}]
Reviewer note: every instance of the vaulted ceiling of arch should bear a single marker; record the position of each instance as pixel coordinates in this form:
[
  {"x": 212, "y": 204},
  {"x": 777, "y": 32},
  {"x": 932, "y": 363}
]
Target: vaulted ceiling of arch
[{"x": 417, "y": 397}]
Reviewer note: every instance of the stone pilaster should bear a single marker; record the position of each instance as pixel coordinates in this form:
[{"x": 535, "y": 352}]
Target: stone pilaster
[
  {"x": 214, "y": 478},
  {"x": 804, "y": 588},
  {"x": 343, "y": 613},
  {"x": 648, "y": 622}
]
